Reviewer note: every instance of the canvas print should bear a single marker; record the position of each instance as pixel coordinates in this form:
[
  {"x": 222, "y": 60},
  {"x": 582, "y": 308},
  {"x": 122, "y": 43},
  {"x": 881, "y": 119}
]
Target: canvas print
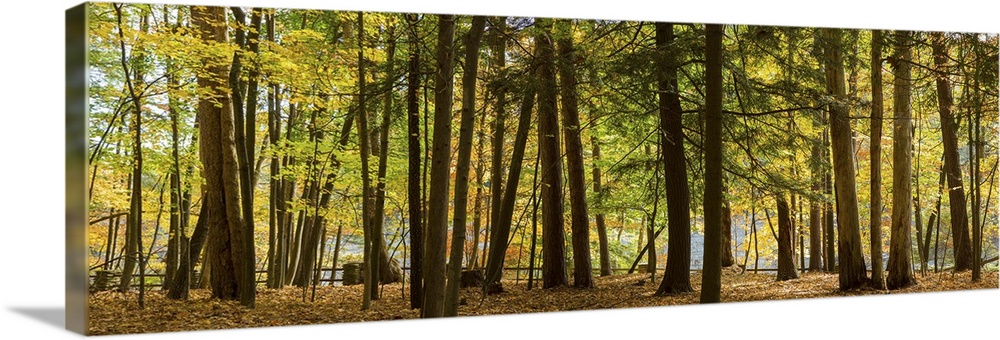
[{"x": 259, "y": 167}]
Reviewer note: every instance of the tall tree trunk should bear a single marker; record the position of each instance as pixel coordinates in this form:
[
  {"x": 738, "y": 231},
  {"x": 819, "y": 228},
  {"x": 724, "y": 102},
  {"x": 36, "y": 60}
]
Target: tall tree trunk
[
  {"x": 875, "y": 219},
  {"x": 602, "y": 230},
  {"x": 553, "y": 241},
  {"x": 276, "y": 236},
  {"x": 437, "y": 213},
  {"x": 177, "y": 230},
  {"x": 786, "y": 243},
  {"x": 830, "y": 231},
  {"x": 816, "y": 207},
  {"x": 712, "y": 273},
  {"x": 370, "y": 252},
  {"x": 976, "y": 143},
  {"x": 477, "y": 209},
  {"x": 900, "y": 253},
  {"x": 494, "y": 265},
  {"x": 133, "y": 226},
  {"x": 231, "y": 252},
  {"x": 309, "y": 230},
  {"x": 243, "y": 164},
  {"x": 289, "y": 241},
  {"x": 389, "y": 271},
  {"x": 534, "y": 222},
  {"x": 953, "y": 169},
  {"x": 851, "y": 262},
  {"x": 413, "y": 199},
  {"x": 677, "y": 275},
  {"x": 583, "y": 276},
  {"x": 937, "y": 212},
  {"x": 499, "y": 88},
  {"x": 467, "y": 124},
  {"x": 253, "y": 45}
]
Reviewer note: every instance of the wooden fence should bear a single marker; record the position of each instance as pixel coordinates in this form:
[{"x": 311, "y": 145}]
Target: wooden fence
[{"x": 332, "y": 278}]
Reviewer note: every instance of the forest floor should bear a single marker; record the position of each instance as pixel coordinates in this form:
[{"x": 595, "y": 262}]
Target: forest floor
[{"x": 117, "y": 313}]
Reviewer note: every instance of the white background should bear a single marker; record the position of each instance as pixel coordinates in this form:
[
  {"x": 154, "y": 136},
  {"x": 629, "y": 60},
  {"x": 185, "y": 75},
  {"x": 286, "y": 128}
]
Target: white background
[{"x": 32, "y": 188}]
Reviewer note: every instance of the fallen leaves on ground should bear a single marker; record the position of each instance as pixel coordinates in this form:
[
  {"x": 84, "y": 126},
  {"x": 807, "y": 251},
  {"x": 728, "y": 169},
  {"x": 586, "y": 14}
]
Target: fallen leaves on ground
[{"x": 118, "y": 313}]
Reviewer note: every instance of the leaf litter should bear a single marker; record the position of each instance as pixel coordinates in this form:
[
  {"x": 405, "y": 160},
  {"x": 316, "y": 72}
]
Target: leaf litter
[{"x": 113, "y": 312}]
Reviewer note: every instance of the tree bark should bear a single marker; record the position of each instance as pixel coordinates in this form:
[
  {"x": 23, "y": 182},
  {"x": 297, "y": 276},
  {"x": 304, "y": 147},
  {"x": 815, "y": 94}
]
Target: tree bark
[
  {"x": 413, "y": 199},
  {"x": 602, "y": 230},
  {"x": 677, "y": 274},
  {"x": 712, "y": 272},
  {"x": 553, "y": 241},
  {"x": 191, "y": 254},
  {"x": 786, "y": 242},
  {"x": 579, "y": 219},
  {"x": 500, "y": 86},
  {"x": 370, "y": 252},
  {"x": 494, "y": 264},
  {"x": 727, "y": 235},
  {"x": 900, "y": 253},
  {"x": 437, "y": 219},
  {"x": 177, "y": 229},
  {"x": 468, "y": 119},
  {"x": 815, "y": 218},
  {"x": 232, "y": 256},
  {"x": 243, "y": 164},
  {"x": 975, "y": 157},
  {"x": 875, "y": 217},
  {"x": 952, "y": 166},
  {"x": 276, "y": 212},
  {"x": 389, "y": 271},
  {"x": 851, "y": 263},
  {"x": 133, "y": 224}
]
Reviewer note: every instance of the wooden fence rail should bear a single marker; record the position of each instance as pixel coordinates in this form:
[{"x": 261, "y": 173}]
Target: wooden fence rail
[{"x": 262, "y": 274}]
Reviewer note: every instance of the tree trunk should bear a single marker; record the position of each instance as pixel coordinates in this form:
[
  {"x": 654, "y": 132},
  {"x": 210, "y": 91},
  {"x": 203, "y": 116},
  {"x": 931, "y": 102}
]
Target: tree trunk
[
  {"x": 468, "y": 119},
  {"x": 499, "y": 51},
  {"x": 829, "y": 232},
  {"x": 851, "y": 262},
  {"x": 413, "y": 199},
  {"x": 712, "y": 273},
  {"x": 437, "y": 219},
  {"x": 370, "y": 261},
  {"x": 494, "y": 264},
  {"x": 191, "y": 253},
  {"x": 389, "y": 271},
  {"x": 232, "y": 255},
  {"x": 133, "y": 226},
  {"x": 243, "y": 164},
  {"x": 952, "y": 165},
  {"x": 975, "y": 157},
  {"x": 875, "y": 219},
  {"x": 727, "y": 235},
  {"x": 276, "y": 239},
  {"x": 553, "y": 241},
  {"x": 534, "y": 222},
  {"x": 579, "y": 219},
  {"x": 602, "y": 230},
  {"x": 477, "y": 209},
  {"x": 815, "y": 208},
  {"x": 786, "y": 244},
  {"x": 309, "y": 229},
  {"x": 677, "y": 275},
  {"x": 177, "y": 230},
  {"x": 900, "y": 253}
]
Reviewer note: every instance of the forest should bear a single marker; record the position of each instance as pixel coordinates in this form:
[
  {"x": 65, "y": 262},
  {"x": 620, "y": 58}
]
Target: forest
[{"x": 258, "y": 167}]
